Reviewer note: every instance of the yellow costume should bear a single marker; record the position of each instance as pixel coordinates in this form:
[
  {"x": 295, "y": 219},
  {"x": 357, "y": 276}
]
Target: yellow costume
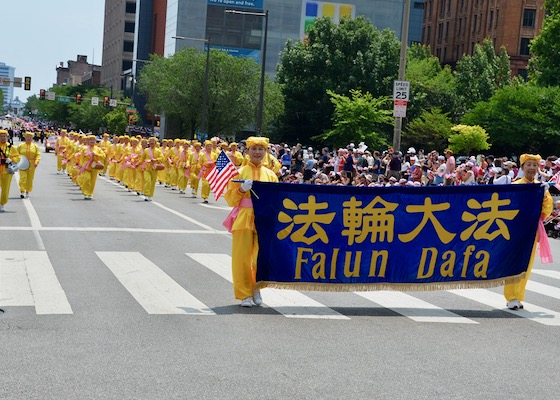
[
  {"x": 8, "y": 153},
  {"x": 33, "y": 154},
  {"x": 244, "y": 236},
  {"x": 91, "y": 160},
  {"x": 206, "y": 160},
  {"x": 60, "y": 146},
  {"x": 151, "y": 157},
  {"x": 194, "y": 168}
]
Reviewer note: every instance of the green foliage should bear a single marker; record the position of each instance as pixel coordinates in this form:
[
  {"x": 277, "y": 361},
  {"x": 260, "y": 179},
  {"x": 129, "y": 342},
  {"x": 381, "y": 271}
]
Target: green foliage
[
  {"x": 480, "y": 75},
  {"x": 521, "y": 118},
  {"x": 357, "y": 119},
  {"x": 468, "y": 139},
  {"x": 116, "y": 120},
  {"x": 429, "y": 131},
  {"x": 337, "y": 57},
  {"x": 544, "y": 66}
]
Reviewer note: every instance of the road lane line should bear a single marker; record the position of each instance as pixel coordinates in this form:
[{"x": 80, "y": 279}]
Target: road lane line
[
  {"x": 496, "y": 300},
  {"x": 154, "y": 290},
  {"x": 47, "y": 294},
  {"x": 113, "y": 229},
  {"x": 34, "y": 218},
  {"x": 290, "y": 303},
  {"x": 416, "y": 309},
  {"x": 543, "y": 289},
  {"x": 547, "y": 273},
  {"x": 14, "y": 283}
]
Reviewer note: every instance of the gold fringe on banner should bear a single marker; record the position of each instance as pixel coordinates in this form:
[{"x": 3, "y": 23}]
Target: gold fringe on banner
[{"x": 401, "y": 287}]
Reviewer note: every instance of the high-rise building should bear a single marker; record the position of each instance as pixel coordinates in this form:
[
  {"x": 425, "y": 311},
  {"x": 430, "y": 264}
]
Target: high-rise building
[
  {"x": 453, "y": 28},
  {"x": 118, "y": 43},
  {"x": 7, "y": 86}
]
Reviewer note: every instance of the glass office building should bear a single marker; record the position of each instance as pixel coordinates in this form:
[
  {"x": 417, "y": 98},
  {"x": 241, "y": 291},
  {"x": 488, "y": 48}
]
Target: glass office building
[{"x": 7, "y": 73}]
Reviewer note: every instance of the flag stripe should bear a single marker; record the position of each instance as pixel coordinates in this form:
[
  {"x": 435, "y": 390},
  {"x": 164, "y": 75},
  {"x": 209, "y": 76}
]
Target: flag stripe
[{"x": 220, "y": 174}]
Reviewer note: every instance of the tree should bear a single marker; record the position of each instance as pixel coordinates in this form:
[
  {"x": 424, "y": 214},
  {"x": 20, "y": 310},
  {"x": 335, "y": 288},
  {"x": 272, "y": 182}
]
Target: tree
[
  {"x": 116, "y": 120},
  {"x": 430, "y": 130},
  {"x": 544, "y": 66},
  {"x": 356, "y": 119},
  {"x": 468, "y": 139},
  {"x": 338, "y": 57},
  {"x": 480, "y": 75},
  {"x": 86, "y": 116},
  {"x": 521, "y": 118}
]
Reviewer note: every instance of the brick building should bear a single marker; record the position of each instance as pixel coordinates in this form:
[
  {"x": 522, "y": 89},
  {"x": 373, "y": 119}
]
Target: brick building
[
  {"x": 452, "y": 28},
  {"x": 78, "y": 72}
]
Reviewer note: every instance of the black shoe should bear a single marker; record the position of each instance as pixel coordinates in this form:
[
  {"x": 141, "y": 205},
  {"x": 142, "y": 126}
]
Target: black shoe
[
  {"x": 205, "y": 201},
  {"x": 21, "y": 196}
]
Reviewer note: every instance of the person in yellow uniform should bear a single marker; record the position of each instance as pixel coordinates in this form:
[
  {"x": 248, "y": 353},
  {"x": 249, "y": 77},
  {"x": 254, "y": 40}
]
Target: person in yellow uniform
[
  {"x": 269, "y": 161},
  {"x": 183, "y": 167},
  {"x": 235, "y": 155},
  {"x": 245, "y": 247},
  {"x": 8, "y": 154},
  {"x": 91, "y": 160},
  {"x": 515, "y": 292},
  {"x": 194, "y": 167},
  {"x": 139, "y": 184},
  {"x": 60, "y": 146},
  {"x": 105, "y": 145},
  {"x": 206, "y": 160},
  {"x": 152, "y": 161},
  {"x": 172, "y": 157},
  {"x": 33, "y": 154}
]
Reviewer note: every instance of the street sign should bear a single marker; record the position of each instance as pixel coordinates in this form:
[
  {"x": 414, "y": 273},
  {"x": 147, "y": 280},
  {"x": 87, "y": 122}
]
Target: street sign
[
  {"x": 95, "y": 101},
  {"x": 113, "y": 103},
  {"x": 51, "y": 96},
  {"x": 400, "y": 98},
  {"x": 63, "y": 99},
  {"x": 17, "y": 82}
]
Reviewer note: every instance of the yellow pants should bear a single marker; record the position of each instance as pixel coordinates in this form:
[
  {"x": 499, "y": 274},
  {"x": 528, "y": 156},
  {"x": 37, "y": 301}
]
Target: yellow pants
[
  {"x": 139, "y": 184},
  {"x": 205, "y": 192},
  {"x": 150, "y": 178},
  {"x": 5, "y": 182},
  {"x": 113, "y": 170},
  {"x": 26, "y": 179},
  {"x": 244, "y": 250},
  {"x": 119, "y": 172},
  {"x": 194, "y": 183},
  {"x": 516, "y": 291},
  {"x": 173, "y": 176},
  {"x": 59, "y": 165},
  {"x": 182, "y": 180},
  {"x": 161, "y": 175},
  {"x": 86, "y": 181}
]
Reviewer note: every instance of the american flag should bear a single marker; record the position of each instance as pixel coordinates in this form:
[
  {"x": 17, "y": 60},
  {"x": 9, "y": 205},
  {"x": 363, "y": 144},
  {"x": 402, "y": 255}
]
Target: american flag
[{"x": 220, "y": 174}]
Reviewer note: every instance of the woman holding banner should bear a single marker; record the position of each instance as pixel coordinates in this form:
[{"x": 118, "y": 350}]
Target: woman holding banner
[
  {"x": 515, "y": 292},
  {"x": 241, "y": 222}
]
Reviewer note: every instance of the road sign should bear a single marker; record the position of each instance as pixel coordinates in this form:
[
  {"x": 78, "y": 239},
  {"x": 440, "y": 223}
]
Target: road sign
[
  {"x": 95, "y": 101},
  {"x": 63, "y": 99},
  {"x": 400, "y": 98},
  {"x": 17, "y": 82},
  {"x": 113, "y": 103},
  {"x": 51, "y": 96}
]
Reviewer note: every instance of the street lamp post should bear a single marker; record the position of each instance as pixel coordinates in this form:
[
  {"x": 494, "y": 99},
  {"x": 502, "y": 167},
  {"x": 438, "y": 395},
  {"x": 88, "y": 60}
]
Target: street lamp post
[
  {"x": 263, "y": 64},
  {"x": 205, "y": 89}
]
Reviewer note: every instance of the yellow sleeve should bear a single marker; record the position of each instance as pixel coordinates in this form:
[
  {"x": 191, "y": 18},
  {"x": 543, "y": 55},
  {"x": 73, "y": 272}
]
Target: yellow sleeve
[
  {"x": 14, "y": 154},
  {"x": 547, "y": 205},
  {"x": 37, "y": 155}
]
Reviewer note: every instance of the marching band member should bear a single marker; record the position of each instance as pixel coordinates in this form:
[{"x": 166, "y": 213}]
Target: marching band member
[
  {"x": 33, "y": 154},
  {"x": 241, "y": 223},
  {"x": 152, "y": 162},
  {"x": 206, "y": 160},
  {"x": 8, "y": 155}
]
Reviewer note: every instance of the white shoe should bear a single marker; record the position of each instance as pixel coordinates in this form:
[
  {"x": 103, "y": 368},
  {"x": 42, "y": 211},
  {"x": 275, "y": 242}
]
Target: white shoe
[
  {"x": 26, "y": 194},
  {"x": 87, "y": 197},
  {"x": 257, "y": 298},
  {"x": 514, "y": 305},
  {"x": 2, "y": 209},
  {"x": 248, "y": 302}
]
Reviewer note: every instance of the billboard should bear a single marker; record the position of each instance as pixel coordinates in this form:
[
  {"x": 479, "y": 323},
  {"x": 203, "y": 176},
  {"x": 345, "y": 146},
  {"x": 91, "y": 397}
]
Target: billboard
[{"x": 312, "y": 10}]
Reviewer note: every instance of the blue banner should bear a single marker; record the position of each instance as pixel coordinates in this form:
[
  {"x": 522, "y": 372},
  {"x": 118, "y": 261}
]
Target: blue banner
[
  {"x": 314, "y": 237},
  {"x": 257, "y": 4}
]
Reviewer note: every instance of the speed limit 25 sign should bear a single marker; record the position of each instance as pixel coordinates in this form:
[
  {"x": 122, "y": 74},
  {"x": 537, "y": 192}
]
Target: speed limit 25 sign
[{"x": 400, "y": 98}]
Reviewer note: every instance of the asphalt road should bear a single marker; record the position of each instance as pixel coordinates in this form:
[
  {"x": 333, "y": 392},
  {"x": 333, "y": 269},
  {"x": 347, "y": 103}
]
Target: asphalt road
[{"x": 117, "y": 298}]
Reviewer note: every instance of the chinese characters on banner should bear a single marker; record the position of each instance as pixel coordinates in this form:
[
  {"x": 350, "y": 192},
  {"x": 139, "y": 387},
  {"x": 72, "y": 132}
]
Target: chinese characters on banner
[{"x": 407, "y": 238}]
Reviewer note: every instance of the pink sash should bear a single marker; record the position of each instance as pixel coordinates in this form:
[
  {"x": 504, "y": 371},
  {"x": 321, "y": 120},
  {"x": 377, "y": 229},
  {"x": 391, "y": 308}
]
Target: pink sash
[
  {"x": 90, "y": 161},
  {"x": 544, "y": 246},
  {"x": 246, "y": 202}
]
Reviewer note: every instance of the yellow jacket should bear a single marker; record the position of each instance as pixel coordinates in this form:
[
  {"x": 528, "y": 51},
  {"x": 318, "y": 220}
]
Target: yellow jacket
[
  {"x": 11, "y": 152},
  {"x": 31, "y": 151}
]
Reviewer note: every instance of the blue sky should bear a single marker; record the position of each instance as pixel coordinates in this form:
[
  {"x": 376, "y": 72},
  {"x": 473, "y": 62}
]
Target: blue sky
[{"x": 38, "y": 34}]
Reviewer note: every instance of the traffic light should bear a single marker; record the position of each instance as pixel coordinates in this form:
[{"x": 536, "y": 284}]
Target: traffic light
[
  {"x": 106, "y": 102},
  {"x": 27, "y": 83},
  {"x": 42, "y": 94},
  {"x": 78, "y": 99}
]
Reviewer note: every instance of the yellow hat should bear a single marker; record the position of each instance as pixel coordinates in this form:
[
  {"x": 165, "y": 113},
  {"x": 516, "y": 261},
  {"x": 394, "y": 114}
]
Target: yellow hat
[
  {"x": 3, "y": 132},
  {"x": 223, "y": 144},
  {"x": 106, "y": 135},
  {"x": 152, "y": 138},
  {"x": 197, "y": 144},
  {"x": 177, "y": 140},
  {"x": 207, "y": 142},
  {"x": 525, "y": 157},
  {"x": 63, "y": 131},
  {"x": 233, "y": 144},
  {"x": 27, "y": 133},
  {"x": 90, "y": 137},
  {"x": 256, "y": 141}
]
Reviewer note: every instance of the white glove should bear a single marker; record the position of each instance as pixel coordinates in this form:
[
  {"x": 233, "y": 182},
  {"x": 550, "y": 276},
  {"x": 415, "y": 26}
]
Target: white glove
[
  {"x": 9, "y": 161},
  {"x": 545, "y": 185},
  {"x": 246, "y": 185}
]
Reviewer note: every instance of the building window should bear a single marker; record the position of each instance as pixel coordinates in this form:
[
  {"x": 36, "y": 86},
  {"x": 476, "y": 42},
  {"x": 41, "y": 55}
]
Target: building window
[
  {"x": 474, "y": 23},
  {"x": 490, "y": 18},
  {"x": 126, "y": 65},
  {"x": 130, "y": 8},
  {"x": 128, "y": 46},
  {"x": 497, "y": 16},
  {"x": 524, "y": 48},
  {"x": 529, "y": 18},
  {"x": 460, "y": 25},
  {"x": 129, "y": 27},
  {"x": 523, "y": 74},
  {"x": 440, "y": 31},
  {"x": 418, "y": 5},
  {"x": 428, "y": 33},
  {"x": 446, "y": 29}
]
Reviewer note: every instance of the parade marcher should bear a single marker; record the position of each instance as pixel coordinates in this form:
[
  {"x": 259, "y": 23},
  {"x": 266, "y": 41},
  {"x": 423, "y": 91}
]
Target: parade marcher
[
  {"x": 235, "y": 155},
  {"x": 152, "y": 163},
  {"x": 206, "y": 161},
  {"x": 515, "y": 292},
  {"x": 60, "y": 146},
  {"x": 183, "y": 167},
  {"x": 33, "y": 154},
  {"x": 91, "y": 160},
  {"x": 8, "y": 155},
  {"x": 105, "y": 145},
  {"x": 241, "y": 223},
  {"x": 194, "y": 167}
]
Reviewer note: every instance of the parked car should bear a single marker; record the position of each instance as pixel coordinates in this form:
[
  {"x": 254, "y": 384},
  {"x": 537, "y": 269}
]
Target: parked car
[{"x": 50, "y": 144}]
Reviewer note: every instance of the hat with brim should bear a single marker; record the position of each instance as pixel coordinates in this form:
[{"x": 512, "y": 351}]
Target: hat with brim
[{"x": 525, "y": 157}]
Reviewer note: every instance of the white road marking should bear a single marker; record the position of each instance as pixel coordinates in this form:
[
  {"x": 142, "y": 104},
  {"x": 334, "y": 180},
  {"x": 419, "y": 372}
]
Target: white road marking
[
  {"x": 496, "y": 300},
  {"x": 224, "y": 208},
  {"x": 547, "y": 273},
  {"x": 113, "y": 229},
  {"x": 289, "y": 303},
  {"x": 543, "y": 289},
  {"x": 34, "y": 218},
  {"x": 413, "y": 308},
  {"x": 27, "y": 278},
  {"x": 156, "y": 292}
]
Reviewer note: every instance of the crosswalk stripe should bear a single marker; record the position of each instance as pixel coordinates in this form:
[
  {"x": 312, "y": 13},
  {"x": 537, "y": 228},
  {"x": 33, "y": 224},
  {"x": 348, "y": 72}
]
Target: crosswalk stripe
[
  {"x": 27, "y": 278},
  {"x": 154, "y": 290},
  {"x": 495, "y": 300},
  {"x": 416, "y": 309},
  {"x": 547, "y": 273},
  {"x": 543, "y": 289},
  {"x": 290, "y": 303}
]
